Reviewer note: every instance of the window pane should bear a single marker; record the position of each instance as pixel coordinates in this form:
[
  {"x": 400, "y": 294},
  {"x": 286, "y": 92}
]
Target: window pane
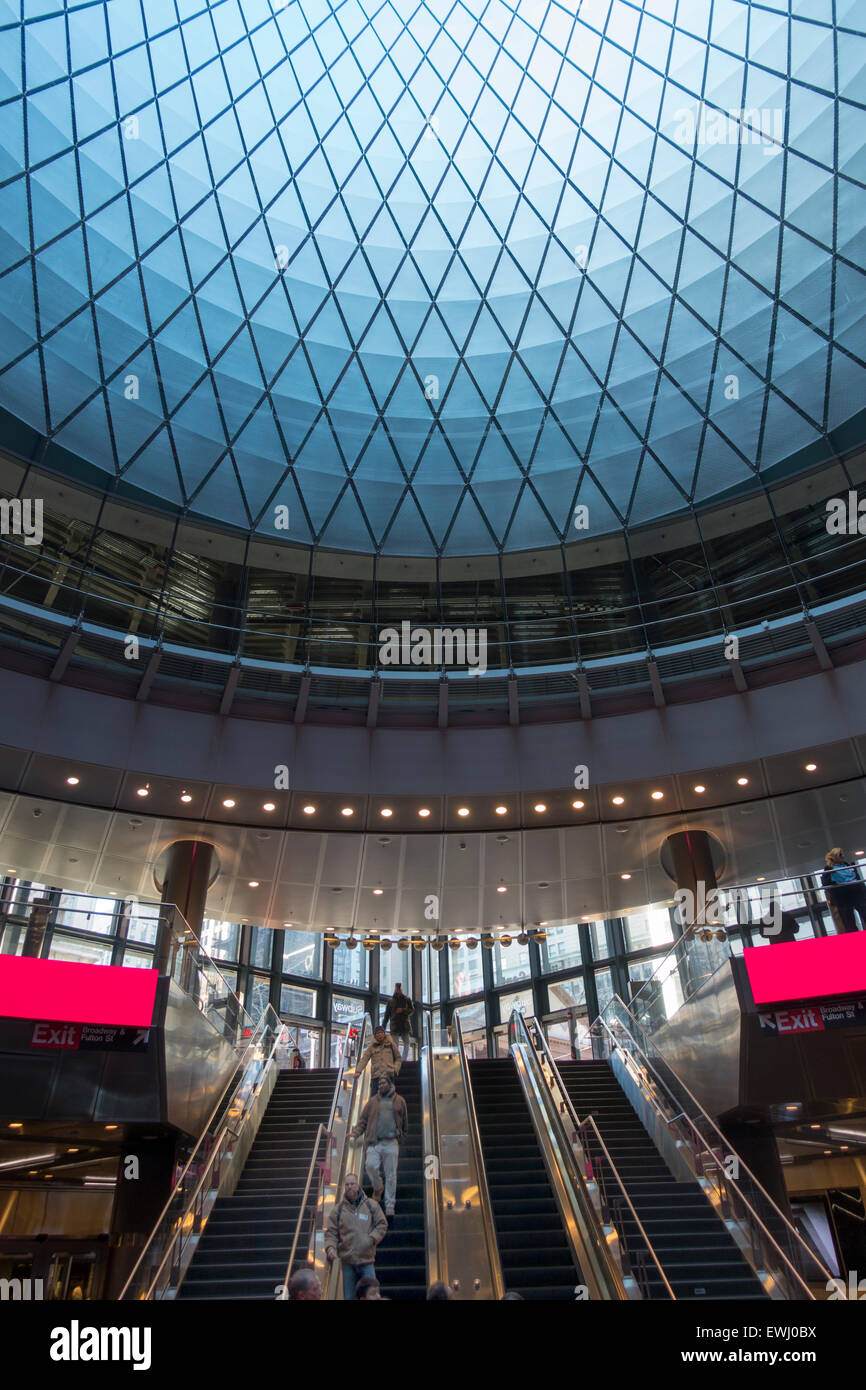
[
  {"x": 143, "y": 922},
  {"x": 522, "y": 1001},
  {"x": 302, "y": 954},
  {"x": 650, "y": 928},
  {"x": 86, "y": 914},
  {"x": 466, "y": 972},
  {"x": 350, "y": 967},
  {"x": 393, "y": 969},
  {"x": 220, "y": 939},
  {"x": 258, "y": 996},
  {"x": 262, "y": 949},
  {"x": 510, "y": 964},
  {"x": 140, "y": 959},
  {"x": 430, "y": 976},
  {"x": 561, "y": 949},
  {"x": 344, "y": 1007},
  {"x": 599, "y": 937},
  {"x": 295, "y": 1000},
  {"x": 65, "y": 947},
  {"x": 472, "y": 1016},
  {"x": 567, "y": 994},
  {"x": 603, "y": 988}
]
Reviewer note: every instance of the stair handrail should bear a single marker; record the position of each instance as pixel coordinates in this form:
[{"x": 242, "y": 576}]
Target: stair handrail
[
  {"x": 436, "y": 1252},
  {"x": 493, "y": 1257},
  {"x": 347, "y": 1089},
  {"x": 696, "y": 1144},
  {"x": 536, "y": 1043},
  {"x": 178, "y": 1227}
]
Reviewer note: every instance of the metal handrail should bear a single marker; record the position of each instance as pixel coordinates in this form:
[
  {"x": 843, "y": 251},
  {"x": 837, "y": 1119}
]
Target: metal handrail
[
  {"x": 486, "y": 1205},
  {"x": 225, "y": 1128},
  {"x": 330, "y": 1271},
  {"x": 698, "y": 1139},
  {"x": 437, "y": 1254},
  {"x": 538, "y": 1042}
]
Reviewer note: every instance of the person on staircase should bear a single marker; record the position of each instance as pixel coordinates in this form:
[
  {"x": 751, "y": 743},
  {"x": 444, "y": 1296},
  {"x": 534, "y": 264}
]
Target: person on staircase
[
  {"x": 383, "y": 1122},
  {"x": 844, "y": 890},
  {"x": 355, "y": 1228},
  {"x": 383, "y": 1057},
  {"x": 399, "y": 1012}
]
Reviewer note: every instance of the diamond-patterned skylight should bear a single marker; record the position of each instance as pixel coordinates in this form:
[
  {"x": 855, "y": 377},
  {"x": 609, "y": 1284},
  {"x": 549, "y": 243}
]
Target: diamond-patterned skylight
[{"x": 433, "y": 275}]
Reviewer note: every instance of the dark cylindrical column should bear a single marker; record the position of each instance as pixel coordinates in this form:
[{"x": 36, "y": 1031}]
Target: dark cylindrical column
[
  {"x": 144, "y": 1178},
  {"x": 693, "y": 863},
  {"x": 187, "y": 879}
]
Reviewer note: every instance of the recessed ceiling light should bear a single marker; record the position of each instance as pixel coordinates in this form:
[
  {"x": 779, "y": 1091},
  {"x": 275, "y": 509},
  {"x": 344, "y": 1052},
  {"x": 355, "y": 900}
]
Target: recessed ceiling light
[
  {"x": 72, "y": 1151},
  {"x": 827, "y": 1153},
  {"x": 143, "y": 791},
  {"x": 814, "y": 1126},
  {"x": 253, "y": 883},
  {"x": 742, "y": 781},
  {"x": 309, "y": 810},
  {"x": 16, "y": 1124},
  {"x": 377, "y": 892},
  {"x": 386, "y": 812},
  {"x": 843, "y": 1147},
  {"x": 539, "y": 807},
  {"x": 501, "y": 810},
  {"x": 347, "y": 811},
  {"x": 760, "y": 878},
  {"x": 502, "y": 888},
  {"x": 618, "y": 800},
  {"x": 811, "y": 767},
  {"x": 228, "y": 803},
  {"x": 625, "y": 876},
  {"x": 463, "y": 810},
  {"x": 185, "y": 796},
  {"x": 657, "y": 796},
  {"x": 578, "y": 805},
  {"x": 269, "y": 806},
  {"x": 700, "y": 788},
  {"x": 857, "y": 851},
  {"x": 111, "y": 1126},
  {"x": 72, "y": 781},
  {"x": 424, "y": 811}
]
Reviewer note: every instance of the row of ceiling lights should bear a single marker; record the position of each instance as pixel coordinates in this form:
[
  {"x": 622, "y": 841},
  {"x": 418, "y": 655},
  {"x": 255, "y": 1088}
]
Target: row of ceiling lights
[
  {"x": 540, "y": 808},
  {"x": 424, "y": 811}
]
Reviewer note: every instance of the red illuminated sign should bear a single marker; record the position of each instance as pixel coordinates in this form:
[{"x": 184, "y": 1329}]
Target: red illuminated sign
[
  {"x": 798, "y": 970},
  {"x": 75, "y": 993}
]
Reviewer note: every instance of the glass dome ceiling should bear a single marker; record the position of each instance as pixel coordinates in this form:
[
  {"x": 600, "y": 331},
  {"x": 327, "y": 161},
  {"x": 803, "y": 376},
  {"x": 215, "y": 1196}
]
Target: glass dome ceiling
[{"x": 432, "y": 275}]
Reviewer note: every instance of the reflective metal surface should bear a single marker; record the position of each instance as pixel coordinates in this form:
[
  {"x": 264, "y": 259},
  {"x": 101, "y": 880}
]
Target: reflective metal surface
[{"x": 702, "y": 1042}]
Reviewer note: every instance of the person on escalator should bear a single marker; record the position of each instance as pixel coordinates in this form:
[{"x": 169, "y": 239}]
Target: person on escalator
[
  {"x": 355, "y": 1228},
  {"x": 399, "y": 1013},
  {"x": 845, "y": 890},
  {"x": 383, "y": 1122},
  {"x": 383, "y": 1057}
]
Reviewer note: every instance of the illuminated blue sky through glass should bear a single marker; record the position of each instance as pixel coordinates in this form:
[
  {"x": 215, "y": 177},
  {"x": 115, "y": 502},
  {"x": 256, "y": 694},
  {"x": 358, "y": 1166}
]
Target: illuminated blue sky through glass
[{"x": 433, "y": 274}]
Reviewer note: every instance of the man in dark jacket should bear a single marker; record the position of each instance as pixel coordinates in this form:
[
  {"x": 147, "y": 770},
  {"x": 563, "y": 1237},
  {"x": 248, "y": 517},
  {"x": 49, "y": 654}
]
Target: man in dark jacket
[
  {"x": 383, "y": 1122},
  {"x": 399, "y": 1012},
  {"x": 845, "y": 890},
  {"x": 355, "y": 1228}
]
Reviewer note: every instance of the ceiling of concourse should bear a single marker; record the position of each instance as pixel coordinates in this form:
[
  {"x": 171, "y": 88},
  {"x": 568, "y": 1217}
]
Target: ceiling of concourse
[{"x": 432, "y": 275}]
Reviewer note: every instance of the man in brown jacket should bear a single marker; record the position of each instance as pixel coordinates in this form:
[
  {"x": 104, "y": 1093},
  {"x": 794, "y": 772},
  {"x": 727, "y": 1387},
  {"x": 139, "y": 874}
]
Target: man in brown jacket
[
  {"x": 383, "y": 1122},
  {"x": 355, "y": 1227},
  {"x": 383, "y": 1057}
]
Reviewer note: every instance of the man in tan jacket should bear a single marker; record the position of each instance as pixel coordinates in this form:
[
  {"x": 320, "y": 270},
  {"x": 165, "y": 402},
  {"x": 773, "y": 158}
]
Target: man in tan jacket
[
  {"x": 383, "y": 1057},
  {"x": 355, "y": 1227}
]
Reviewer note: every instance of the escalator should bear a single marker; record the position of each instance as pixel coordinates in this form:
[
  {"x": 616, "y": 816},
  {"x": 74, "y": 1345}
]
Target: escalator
[
  {"x": 242, "y": 1253},
  {"x": 401, "y": 1261},
  {"x": 696, "y": 1252},
  {"x": 535, "y": 1255}
]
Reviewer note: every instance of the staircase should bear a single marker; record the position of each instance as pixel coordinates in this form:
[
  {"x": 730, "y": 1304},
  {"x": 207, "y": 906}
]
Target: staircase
[
  {"x": 694, "y": 1249},
  {"x": 535, "y": 1255},
  {"x": 401, "y": 1259},
  {"x": 247, "y": 1241}
]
